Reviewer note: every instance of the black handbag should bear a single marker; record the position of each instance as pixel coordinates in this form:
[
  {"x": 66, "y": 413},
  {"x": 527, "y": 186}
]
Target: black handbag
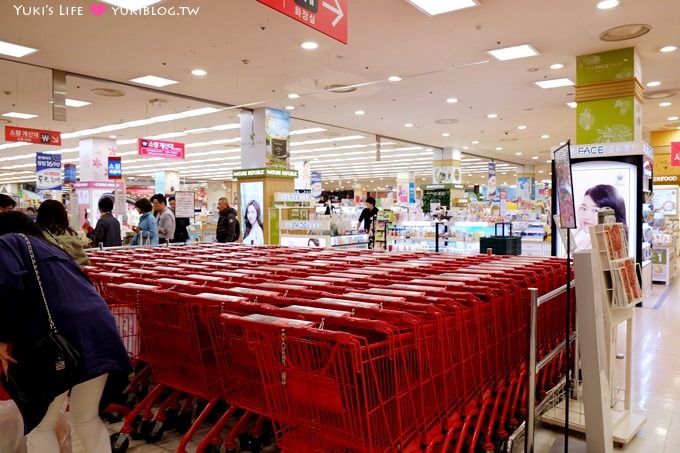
[{"x": 49, "y": 367}]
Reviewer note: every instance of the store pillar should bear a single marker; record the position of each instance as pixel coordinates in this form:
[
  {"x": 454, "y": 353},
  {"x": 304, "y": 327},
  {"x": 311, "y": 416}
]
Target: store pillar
[
  {"x": 609, "y": 93},
  {"x": 406, "y": 188},
  {"x": 94, "y": 181},
  {"x": 525, "y": 186},
  {"x": 446, "y": 169},
  {"x": 265, "y": 157}
]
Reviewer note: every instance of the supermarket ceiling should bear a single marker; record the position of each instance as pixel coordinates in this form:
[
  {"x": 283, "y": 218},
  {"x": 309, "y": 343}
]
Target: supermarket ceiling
[{"x": 253, "y": 58}]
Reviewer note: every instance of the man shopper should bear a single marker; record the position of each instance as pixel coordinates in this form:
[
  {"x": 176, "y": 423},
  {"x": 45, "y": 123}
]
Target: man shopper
[
  {"x": 165, "y": 217},
  {"x": 367, "y": 214},
  {"x": 228, "y": 228},
  {"x": 7, "y": 203},
  {"x": 107, "y": 231}
]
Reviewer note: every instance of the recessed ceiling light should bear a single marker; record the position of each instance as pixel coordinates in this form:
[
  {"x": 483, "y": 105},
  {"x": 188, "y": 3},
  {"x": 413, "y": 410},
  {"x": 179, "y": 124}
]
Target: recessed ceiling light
[
  {"x": 112, "y": 136},
  {"x": 511, "y": 53},
  {"x": 499, "y": 148},
  {"x": 199, "y": 72},
  {"x": 452, "y": 100},
  {"x": 359, "y": 112},
  {"x": 309, "y": 45},
  {"x": 408, "y": 125},
  {"x": 625, "y": 32},
  {"x": 544, "y": 136},
  {"x": 23, "y": 116},
  {"x": 572, "y": 104},
  {"x": 475, "y": 142},
  {"x": 665, "y": 104},
  {"x": 492, "y": 115},
  {"x": 434, "y": 7},
  {"x": 15, "y": 50},
  {"x": 521, "y": 127},
  {"x": 153, "y": 81},
  {"x": 654, "y": 83},
  {"x": 535, "y": 157},
  {"x": 667, "y": 49},
  {"x": 548, "y": 161},
  {"x": 290, "y": 107},
  {"x": 556, "y": 66},
  {"x": 466, "y": 147},
  {"x": 446, "y": 134},
  {"x": 673, "y": 118},
  {"x": 132, "y": 5},
  {"x": 394, "y": 78},
  {"x": 607, "y": 4},
  {"x": 293, "y": 96},
  {"x": 76, "y": 103},
  {"x": 518, "y": 153},
  {"x": 555, "y": 83}
]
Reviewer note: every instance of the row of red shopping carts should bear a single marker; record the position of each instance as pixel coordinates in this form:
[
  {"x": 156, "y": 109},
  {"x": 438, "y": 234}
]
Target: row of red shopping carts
[{"x": 343, "y": 351}]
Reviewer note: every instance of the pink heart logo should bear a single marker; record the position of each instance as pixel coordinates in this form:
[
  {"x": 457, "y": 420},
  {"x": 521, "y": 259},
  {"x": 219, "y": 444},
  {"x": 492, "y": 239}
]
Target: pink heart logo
[{"x": 98, "y": 9}]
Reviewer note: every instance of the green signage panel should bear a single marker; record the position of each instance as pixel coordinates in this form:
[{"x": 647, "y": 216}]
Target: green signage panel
[
  {"x": 606, "y": 120},
  {"x": 599, "y": 67},
  {"x": 262, "y": 172}
]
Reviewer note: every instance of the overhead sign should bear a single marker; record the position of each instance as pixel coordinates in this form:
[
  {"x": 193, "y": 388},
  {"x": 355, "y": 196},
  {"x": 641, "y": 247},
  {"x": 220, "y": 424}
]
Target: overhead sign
[
  {"x": 327, "y": 16},
  {"x": 159, "y": 148},
  {"x": 675, "y": 154},
  {"x": 259, "y": 172},
  {"x": 115, "y": 167},
  {"x": 36, "y": 136},
  {"x": 69, "y": 173},
  {"x": 48, "y": 171}
]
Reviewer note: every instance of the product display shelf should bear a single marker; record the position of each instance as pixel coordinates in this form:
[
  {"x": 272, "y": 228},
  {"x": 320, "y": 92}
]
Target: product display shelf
[
  {"x": 663, "y": 263},
  {"x": 608, "y": 291},
  {"x": 377, "y": 236}
]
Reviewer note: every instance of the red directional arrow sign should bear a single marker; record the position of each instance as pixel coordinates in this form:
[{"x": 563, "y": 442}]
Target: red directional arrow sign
[{"x": 327, "y": 16}]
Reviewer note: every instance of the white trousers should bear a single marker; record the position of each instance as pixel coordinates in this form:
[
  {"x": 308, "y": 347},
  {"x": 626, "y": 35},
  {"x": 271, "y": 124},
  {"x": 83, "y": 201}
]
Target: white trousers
[{"x": 84, "y": 416}]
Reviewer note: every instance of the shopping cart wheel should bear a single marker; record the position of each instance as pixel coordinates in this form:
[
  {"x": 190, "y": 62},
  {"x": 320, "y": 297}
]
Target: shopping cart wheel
[
  {"x": 155, "y": 433},
  {"x": 184, "y": 421},
  {"x": 212, "y": 448},
  {"x": 142, "y": 428},
  {"x": 118, "y": 445}
]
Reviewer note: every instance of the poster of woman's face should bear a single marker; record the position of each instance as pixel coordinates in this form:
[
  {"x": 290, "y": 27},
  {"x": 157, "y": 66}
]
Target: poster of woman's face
[
  {"x": 600, "y": 184},
  {"x": 252, "y": 212}
]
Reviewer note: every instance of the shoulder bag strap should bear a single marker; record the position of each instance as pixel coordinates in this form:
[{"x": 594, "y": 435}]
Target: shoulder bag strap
[{"x": 53, "y": 328}]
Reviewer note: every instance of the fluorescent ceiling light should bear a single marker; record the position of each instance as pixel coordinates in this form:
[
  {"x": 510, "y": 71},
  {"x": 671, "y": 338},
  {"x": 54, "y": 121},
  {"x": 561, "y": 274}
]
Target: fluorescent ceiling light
[
  {"x": 132, "y": 5},
  {"x": 434, "y": 7},
  {"x": 15, "y": 50},
  {"x": 511, "y": 53},
  {"x": 554, "y": 83},
  {"x": 673, "y": 118},
  {"x": 608, "y": 4},
  {"x": 76, "y": 103},
  {"x": 665, "y": 104},
  {"x": 556, "y": 66},
  {"x": 153, "y": 81},
  {"x": 23, "y": 116}
]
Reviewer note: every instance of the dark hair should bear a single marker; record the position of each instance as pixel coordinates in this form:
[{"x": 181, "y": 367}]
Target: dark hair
[
  {"x": 171, "y": 199},
  {"x": 370, "y": 200},
  {"x": 105, "y": 204},
  {"x": 18, "y": 222},
  {"x": 160, "y": 198},
  {"x": 53, "y": 218},
  {"x": 256, "y": 206},
  {"x": 7, "y": 202},
  {"x": 144, "y": 205},
  {"x": 606, "y": 195}
]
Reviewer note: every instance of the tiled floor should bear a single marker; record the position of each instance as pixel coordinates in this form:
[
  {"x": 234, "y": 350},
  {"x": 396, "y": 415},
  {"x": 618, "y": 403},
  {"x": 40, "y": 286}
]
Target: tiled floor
[{"x": 655, "y": 386}]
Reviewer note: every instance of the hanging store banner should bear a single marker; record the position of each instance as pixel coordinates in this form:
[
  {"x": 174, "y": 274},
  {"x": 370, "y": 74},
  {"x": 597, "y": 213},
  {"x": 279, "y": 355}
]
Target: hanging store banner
[
  {"x": 35, "y": 136},
  {"x": 70, "y": 173},
  {"x": 675, "y": 154},
  {"x": 159, "y": 148},
  {"x": 491, "y": 185},
  {"x": 316, "y": 186},
  {"x": 115, "y": 168},
  {"x": 48, "y": 171}
]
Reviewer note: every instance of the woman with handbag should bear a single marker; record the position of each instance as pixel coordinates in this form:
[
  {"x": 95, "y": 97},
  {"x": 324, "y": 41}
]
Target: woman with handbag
[
  {"x": 56, "y": 334},
  {"x": 53, "y": 221},
  {"x": 147, "y": 231}
]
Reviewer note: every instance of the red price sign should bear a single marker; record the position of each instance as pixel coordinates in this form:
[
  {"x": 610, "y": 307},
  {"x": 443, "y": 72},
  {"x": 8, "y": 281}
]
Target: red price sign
[
  {"x": 327, "y": 16},
  {"x": 36, "y": 136},
  {"x": 158, "y": 148}
]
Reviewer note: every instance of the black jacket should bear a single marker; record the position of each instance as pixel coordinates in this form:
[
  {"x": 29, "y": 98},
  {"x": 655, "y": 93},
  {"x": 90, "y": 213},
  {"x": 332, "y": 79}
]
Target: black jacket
[
  {"x": 227, "y": 226},
  {"x": 181, "y": 232},
  {"x": 107, "y": 231}
]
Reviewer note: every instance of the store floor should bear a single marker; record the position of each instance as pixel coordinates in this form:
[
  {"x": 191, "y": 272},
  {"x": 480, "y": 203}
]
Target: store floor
[{"x": 656, "y": 382}]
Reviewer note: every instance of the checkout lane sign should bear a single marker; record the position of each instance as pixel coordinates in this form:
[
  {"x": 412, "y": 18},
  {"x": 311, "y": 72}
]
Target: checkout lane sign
[
  {"x": 327, "y": 16},
  {"x": 48, "y": 171}
]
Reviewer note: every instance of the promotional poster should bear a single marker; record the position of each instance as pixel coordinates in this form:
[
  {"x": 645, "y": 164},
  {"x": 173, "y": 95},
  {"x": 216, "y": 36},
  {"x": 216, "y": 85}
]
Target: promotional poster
[{"x": 252, "y": 212}]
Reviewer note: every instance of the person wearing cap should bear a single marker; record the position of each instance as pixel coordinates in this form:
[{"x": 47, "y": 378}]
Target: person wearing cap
[{"x": 367, "y": 214}]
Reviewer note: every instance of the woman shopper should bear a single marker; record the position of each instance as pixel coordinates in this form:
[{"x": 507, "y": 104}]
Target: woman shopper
[
  {"x": 80, "y": 315},
  {"x": 53, "y": 221},
  {"x": 147, "y": 230}
]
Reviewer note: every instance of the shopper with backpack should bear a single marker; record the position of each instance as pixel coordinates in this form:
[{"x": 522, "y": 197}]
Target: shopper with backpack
[{"x": 228, "y": 227}]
